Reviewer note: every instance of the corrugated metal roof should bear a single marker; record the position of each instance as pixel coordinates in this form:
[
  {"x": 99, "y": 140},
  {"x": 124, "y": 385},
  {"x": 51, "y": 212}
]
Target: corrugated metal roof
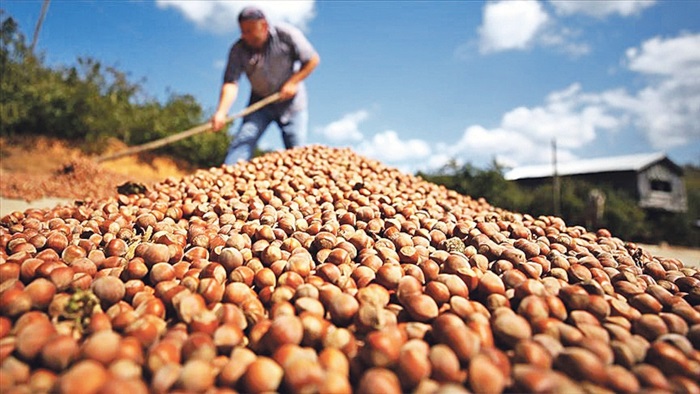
[{"x": 589, "y": 166}]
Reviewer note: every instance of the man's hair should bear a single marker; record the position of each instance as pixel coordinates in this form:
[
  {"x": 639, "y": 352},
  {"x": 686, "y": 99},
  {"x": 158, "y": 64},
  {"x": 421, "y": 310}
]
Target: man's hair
[{"x": 250, "y": 14}]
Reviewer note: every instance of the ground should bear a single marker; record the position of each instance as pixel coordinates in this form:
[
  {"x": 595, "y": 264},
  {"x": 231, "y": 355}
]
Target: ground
[
  {"x": 42, "y": 172},
  {"x": 32, "y": 168}
]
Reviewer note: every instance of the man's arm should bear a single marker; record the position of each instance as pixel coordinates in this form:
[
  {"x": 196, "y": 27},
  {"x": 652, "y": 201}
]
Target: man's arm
[
  {"x": 229, "y": 91},
  {"x": 289, "y": 89}
]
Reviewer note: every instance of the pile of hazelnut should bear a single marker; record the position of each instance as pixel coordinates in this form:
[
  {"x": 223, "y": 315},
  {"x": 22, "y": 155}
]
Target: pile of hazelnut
[{"x": 317, "y": 270}]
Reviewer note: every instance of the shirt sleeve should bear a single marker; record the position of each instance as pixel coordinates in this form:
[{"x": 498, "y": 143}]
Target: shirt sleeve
[
  {"x": 304, "y": 50},
  {"x": 234, "y": 66}
]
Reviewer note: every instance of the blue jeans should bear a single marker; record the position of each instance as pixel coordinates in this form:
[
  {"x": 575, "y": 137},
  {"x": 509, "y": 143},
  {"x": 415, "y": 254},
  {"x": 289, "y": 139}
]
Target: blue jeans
[{"x": 294, "y": 131}]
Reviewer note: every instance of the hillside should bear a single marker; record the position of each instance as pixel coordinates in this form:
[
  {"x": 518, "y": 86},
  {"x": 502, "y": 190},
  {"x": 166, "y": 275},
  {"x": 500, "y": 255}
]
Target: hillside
[{"x": 33, "y": 167}]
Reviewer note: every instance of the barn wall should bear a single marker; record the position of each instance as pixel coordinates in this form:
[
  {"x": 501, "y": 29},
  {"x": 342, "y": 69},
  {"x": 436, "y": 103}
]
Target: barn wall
[
  {"x": 622, "y": 180},
  {"x": 661, "y": 187}
]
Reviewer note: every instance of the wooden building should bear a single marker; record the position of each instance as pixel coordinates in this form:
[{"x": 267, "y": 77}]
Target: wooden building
[{"x": 653, "y": 179}]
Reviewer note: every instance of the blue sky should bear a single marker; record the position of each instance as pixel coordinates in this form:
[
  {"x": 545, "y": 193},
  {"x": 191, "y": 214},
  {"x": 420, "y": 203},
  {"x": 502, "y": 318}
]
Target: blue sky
[{"x": 414, "y": 84}]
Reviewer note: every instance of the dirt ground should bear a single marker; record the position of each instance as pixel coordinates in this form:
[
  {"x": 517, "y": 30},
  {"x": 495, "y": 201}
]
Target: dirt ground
[
  {"x": 43, "y": 155},
  {"x": 40, "y": 172},
  {"x": 32, "y": 168},
  {"x": 689, "y": 256}
]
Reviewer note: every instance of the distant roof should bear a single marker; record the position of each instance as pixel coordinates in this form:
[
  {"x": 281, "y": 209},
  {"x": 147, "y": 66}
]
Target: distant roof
[{"x": 589, "y": 166}]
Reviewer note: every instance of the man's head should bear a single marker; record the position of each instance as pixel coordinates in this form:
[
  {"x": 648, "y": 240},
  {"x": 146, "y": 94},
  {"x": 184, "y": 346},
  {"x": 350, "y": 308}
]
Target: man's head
[{"x": 254, "y": 29}]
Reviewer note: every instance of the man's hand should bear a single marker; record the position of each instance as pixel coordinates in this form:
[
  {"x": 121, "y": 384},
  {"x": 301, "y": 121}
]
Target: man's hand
[
  {"x": 229, "y": 91},
  {"x": 288, "y": 90},
  {"x": 218, "y": 121}
]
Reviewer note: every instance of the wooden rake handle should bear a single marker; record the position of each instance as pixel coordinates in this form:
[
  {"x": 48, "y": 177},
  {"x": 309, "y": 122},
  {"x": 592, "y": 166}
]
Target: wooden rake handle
[{"x": 187, "y": 133}]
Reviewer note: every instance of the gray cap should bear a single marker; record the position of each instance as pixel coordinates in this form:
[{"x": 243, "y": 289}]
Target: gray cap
[{"x": 250, "y": 14}]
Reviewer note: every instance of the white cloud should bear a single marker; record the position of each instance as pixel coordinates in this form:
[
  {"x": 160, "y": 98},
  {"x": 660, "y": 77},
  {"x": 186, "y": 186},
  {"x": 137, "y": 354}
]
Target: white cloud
[
  {"x": 507, "y": 147},
  {"x": 601, "y": 9},
  {"x": 563, "y": 39},
  {"x": 668, "y": 109},
  {"x": 673, "y": 57},
  {"x": 345, "y": 128},
  {"x": 569, "y": 116},
  {"x": 477, "y": 140},
  {"x": 437, "y": 160},
  {"x": 510, "y": 25},
  {"x": 520, "y": 25},
  {"x": 387, "y": 147},
  {"x": 221, "y": 16}
]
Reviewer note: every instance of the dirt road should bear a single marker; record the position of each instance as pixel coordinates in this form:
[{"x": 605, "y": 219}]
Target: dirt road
[
  {"x": 8, "y": 205},
  {"x": 689, "y": 256}
]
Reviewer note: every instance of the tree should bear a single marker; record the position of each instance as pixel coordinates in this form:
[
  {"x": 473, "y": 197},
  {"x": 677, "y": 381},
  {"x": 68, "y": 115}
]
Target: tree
[{"x": 89, "y": 103}]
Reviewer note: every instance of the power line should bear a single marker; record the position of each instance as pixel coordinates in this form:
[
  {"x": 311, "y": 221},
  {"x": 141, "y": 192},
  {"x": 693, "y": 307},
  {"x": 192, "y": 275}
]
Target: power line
[{"x": 44, "y": 9}]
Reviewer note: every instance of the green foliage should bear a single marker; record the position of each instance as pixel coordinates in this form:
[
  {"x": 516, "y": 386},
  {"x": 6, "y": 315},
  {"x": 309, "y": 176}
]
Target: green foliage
[
  {"x": 179, "y": 113},
  {"x": 488, "y": 184},
  {"x": 16, "y": 67},
  {"x": 90, "y": 103},
  {"x": 621, "y": 215},
  {"x": 625, "y": 217}
]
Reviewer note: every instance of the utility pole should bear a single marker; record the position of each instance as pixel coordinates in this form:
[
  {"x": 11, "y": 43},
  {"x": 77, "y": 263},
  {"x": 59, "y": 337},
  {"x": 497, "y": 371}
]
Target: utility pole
[
  {"x": 556, "y": 186},
  {"x": 39, "y": 22}
]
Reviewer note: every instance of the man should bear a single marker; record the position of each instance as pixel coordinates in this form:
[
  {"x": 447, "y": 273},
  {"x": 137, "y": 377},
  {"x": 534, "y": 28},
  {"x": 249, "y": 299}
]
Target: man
[{"x": 275, "y": 58}]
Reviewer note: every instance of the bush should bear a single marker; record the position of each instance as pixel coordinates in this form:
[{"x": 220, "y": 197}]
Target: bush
[
  {"x": 475, "y": 182},
  {"x": 89, "y": 104}
]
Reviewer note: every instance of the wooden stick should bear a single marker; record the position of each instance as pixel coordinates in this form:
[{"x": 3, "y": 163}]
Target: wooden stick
[{"x": 188, "y": 133}]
